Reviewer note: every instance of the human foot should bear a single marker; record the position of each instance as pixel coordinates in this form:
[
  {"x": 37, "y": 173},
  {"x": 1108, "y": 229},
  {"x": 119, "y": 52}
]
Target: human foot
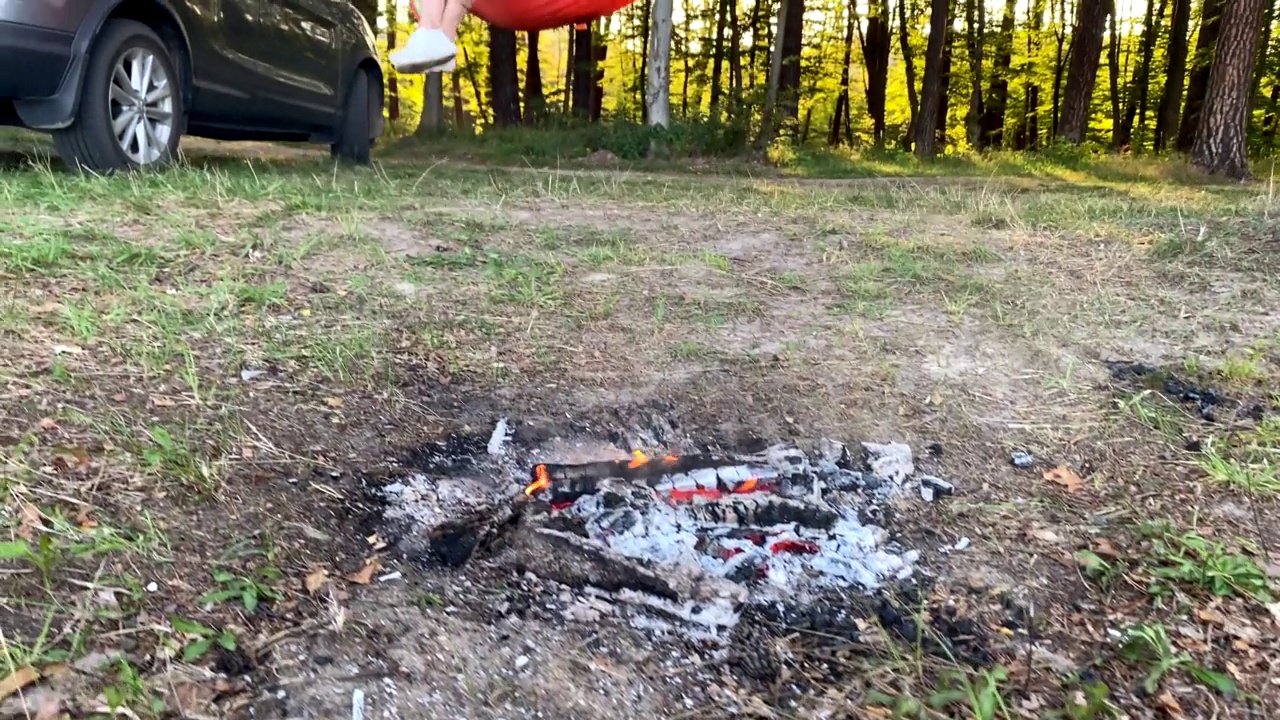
[{"x": 426, "y": 49}]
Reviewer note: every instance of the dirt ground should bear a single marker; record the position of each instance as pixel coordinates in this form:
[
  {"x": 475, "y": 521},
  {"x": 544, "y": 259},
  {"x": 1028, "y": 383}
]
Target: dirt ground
[{"x": 206, "y": 370}]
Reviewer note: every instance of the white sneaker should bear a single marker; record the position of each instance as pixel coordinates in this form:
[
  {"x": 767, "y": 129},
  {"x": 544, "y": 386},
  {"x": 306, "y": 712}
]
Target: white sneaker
[
  {"x": 447, "y": 67},
  {"x": 427, "y": 48}
]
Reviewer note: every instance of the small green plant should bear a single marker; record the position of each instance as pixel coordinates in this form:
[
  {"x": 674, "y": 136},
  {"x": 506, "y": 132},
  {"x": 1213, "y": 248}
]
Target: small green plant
[
  {"x": 249, "y": 590},
  {"x": 1261, "y": 477},
  {"x": 981, "y": 696},
  {"x": 1106, "y": 574},
  {"x": 1149, "y": 644},
  {"x": 129, "y": 695},
  {"x": 1191, "y": 560},
  {"x": 1087, "y": 701},
  {"x": 205, "y": 638}
]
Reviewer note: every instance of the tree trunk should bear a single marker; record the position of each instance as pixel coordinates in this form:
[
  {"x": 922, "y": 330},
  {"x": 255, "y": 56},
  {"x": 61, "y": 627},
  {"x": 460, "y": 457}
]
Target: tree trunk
[
  {"x": 792, "y": 47},
  {"x": 459, "y": 116},
  {"x": 757, "y": 35},
  {"x": 583, "y": 71},
  {"x": 535, "y": 102},
  {"x": 774, "y": 82},
  {"x": 876, "y": 58},
  {"x": 735, "y": 57},
  {"x": 685, "y": 33},
  {"x": 1086, "y": 47},
  {"x": 646, "y": 33},
  {"x": 1059, "y": 64},
  {"x": 431, "y": 122},
  {"x": 717, "y": 56},
  {"x": 1270, "y": 120},
  {"x": 1113, "y": 69},
  {"x": 1198, "y": 80},
  {"x": 393, "y": 80},
  {"x": 659, "y": 78},
  {"x": 1264, "y": 46},
  {"x": 1028, "y": 135},
  {"x": 1144, "y": 90},
  {"x": 1139, "y": 82},
  {"x": 1219, "y": 147},
  {"x": 1175, "y": 74},
  {"x": 997, "y": 100},
  {"x": 974, "y": 35},
  {"x": 944, "y": 99},
  {"x": 842, "y": 99},
  {"x": 904, "y": 40},
  {"x": 931, "y": 91},
  {"x": 504, "y": 79}
]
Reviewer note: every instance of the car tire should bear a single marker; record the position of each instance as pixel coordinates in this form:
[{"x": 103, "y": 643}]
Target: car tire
[
  {"x": 355, "y": 128},
  {"x": 119, "y": 92}
]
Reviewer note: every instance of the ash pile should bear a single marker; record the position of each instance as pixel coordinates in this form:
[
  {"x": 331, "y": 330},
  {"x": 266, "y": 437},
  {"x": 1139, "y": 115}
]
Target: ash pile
[{"x": 676, "y": 542}]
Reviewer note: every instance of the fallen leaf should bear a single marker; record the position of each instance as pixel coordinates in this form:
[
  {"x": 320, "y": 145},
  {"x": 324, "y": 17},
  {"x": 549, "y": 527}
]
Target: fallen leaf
[
  {"x": 17, "y": 680},
  {"x": 1170, "y": 704},
  {"x": 1066, "y": 477},
  {"x": 84, "y": 520},
  {"x": 365, "y": 576},
  {"x": 1103, "y": 548},
  {"x": 1212, "y": 617},
  {"x": 48, "y": 424},
  {"x": 28, "y": 521},
  {"x": 120, "y": 397},
  {"x": 334, "y": 402},
  {"x": 161, "y": 401},
  {"x": 315, "y": 580},
  {"x": 1046, "y": 535}
]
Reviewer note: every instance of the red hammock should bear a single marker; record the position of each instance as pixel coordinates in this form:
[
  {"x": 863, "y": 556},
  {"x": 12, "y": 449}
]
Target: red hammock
[{"x": 528, "y": 15}]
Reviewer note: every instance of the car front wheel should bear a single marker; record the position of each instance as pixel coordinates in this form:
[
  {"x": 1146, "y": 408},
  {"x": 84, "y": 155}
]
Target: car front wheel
[
  {"x": 130, "y": 104},
  {"x": 355, "y": 129}
]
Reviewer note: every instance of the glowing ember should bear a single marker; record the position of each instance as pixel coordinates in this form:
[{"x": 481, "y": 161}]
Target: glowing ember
[{"x": 541, "y": 480}]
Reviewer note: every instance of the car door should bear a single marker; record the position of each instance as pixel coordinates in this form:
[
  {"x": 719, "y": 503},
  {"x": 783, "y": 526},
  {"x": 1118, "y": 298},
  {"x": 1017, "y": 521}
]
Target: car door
[
  {"x": 224, "y": 78},
  {"x": 300, "y": 52}
]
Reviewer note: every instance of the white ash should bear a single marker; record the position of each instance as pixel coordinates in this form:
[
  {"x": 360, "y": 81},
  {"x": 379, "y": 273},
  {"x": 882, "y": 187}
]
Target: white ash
[{"x": 498, "y": 440}]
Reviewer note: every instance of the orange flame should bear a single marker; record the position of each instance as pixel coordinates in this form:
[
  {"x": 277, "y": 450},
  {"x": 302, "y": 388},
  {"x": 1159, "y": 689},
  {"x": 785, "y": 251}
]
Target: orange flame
[
  {"x": 637, "y": 459},
  {"x": 747, "y": 486},
  {"x": 541, "y": 480}
]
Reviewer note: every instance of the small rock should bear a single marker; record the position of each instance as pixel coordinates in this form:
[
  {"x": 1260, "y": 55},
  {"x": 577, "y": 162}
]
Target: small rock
[
  {"x": 891, "y": 461},
  {"x": 961, "y": 544},
  {"x": 833, "y": 452},
  {"x": 522, "y": 661},
  {"x": 152, "y": 586},
  {"x": 247, "y": 374},
  {"x": 1022, "y": 459},
  {"x": 932, "y": 488}
]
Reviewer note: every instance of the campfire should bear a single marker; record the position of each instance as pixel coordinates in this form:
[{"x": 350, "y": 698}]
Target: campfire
[{"x": 685, "y": 539}]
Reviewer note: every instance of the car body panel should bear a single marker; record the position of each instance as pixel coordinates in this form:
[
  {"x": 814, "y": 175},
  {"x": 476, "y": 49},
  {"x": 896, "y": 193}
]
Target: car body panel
[{"x": 252, "y": 68}]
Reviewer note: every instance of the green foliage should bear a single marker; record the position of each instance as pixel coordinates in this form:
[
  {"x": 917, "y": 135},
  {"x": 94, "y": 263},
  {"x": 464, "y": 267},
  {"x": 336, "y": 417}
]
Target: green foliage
[
  {"x": 1149, "y": 644},
  {"x": 250, "y": 591},
  {"x": 1189, "y": 560}
]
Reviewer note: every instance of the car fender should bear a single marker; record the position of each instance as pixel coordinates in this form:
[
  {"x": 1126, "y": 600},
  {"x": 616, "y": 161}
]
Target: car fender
[{"x": 59, "y": 111}]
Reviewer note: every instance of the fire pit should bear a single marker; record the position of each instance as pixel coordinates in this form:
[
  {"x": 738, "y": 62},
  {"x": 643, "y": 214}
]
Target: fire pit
[{"x": 686, "y": 540}]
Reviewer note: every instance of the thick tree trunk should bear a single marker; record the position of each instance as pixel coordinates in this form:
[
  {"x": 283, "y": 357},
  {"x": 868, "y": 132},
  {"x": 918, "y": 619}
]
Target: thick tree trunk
[
  {"x": 876, "y": 57},
  {"x": 535, "y": 102},
  {"x": 931, "y": 91},
  {"x": 431, "y": 122},
  {"x": 659, "y": 77},
  {"x": 717, "y": 57},
  {"x": 504, "y": 78},
  {"x": 1219, "y": 148},
  {"x": 583, "y": 71},
  {"x": 974, "y": 32},
  {"x": 1175, "y": 74},
  {"x": 1086, "y": 47},
  {"x": 997, "y": 100},
  {"x": 909, "y": 64},
  {"x": 1198, "y": 80},
  {"x": 792, "y": 47}
]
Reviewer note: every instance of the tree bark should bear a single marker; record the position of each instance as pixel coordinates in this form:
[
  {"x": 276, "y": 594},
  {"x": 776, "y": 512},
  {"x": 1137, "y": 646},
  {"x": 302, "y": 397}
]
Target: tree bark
[
  {"x": 1175, "y": 74},
  {"x": 792, "y": 47},
  {"x": 876, "y": 58},
  {"x": 944, "y": 95},
  {"x": 908, "y": 62},
  {"x": 583, "y": 71},
  {"x": 646, "y": 33},
  {"x": 393, "y": 80},
  {"x": 504, "y": 80},
  {"x": 997, "y": 100},
  {"x": 735, "y": 58},
  {"x": 1198, "y": 80},
  {"x": 1086, "y": 47},
  {"x": 717, "y": 57},
  {"x": 931, "y": 91},
  {"x": 431, "y": 122},
  {"x": 659, "y": 77},
  {"x": 1113, "y": 68},
  {"x": 1219, "y": 147},
  {"x": 535, "y": 102},
  {"x": 775, "y": 73}
]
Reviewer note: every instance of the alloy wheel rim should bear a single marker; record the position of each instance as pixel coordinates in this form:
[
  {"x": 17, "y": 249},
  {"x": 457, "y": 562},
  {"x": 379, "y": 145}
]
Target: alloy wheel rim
[{"x": 141, "y": 106}]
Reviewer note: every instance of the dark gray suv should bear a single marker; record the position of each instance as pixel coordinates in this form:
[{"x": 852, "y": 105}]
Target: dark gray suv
[{"x": 119, "y": 82}]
